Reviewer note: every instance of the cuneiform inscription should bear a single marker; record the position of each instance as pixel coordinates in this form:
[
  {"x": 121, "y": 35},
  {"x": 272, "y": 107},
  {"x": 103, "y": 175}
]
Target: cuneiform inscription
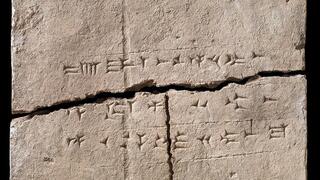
[
  {"x": 84, "y": 68},
  {"x": 205, "y": 140},
  {"x": 180, "y": 141},
  {"x": 104, "y": 141},
  {"x": 118, "y": 64},
  {"x": 159, "y": 141},
  {"x": 233, "y": 137},
  {"x": 229, "y": 137},
  {"x": 125, "y": 136},
  {"x": 199, "y": 104},
  {"x": 142, "y": 139},
  {"x": 154, "y": 105},
  {"x": 277, "y": 131},
  {"x": 249, "y": 132},
  {"x": 214, "y": 59},
  {"x": 78, "y": 139},
  {"x": 176, "y": 60},
  {"x": 234, "y": 132},
  {"x": 143, "y": 61},
  {"x": 232, "y": 59},
  {"x": 197, "y": 59},
  {"x": 268, "y": 99},
  {"x": 89, "y": 68},
  {"x": 118, "y": 109},
  {"x": 114, "y": 65},
  {"x": 79, "y": 112},
  {"x": 115, "y": 108},
  {"x": 234, "y": 101},
  {"x": 70, "y": 69}
]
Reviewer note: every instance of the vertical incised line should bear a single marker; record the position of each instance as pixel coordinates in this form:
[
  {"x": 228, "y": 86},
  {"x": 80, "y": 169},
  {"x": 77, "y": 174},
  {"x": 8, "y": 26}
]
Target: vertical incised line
[
  {"x": 124, "y": 39},
  {"x": 169, "y": 161},
  {"x": 124, "y": 56}
]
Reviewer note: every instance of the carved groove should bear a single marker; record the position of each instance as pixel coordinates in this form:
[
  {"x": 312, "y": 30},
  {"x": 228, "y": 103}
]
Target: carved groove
[{"x": 171, "y": 172}]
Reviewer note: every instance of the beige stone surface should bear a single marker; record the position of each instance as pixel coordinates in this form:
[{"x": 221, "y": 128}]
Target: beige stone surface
[
  {"x": 113, "y": 139},
  {"x": 66, "y": 50},
  {"x": 251, "y": 131}
]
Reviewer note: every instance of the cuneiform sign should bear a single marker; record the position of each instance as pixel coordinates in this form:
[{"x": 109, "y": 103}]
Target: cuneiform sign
[
  {"x": 65, "y": 50},
  {"x": 254, "y": 131},
  {"x": 251, "y": 131}
]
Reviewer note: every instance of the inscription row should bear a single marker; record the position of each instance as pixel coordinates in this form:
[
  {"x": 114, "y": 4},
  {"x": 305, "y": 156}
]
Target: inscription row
[
  {"x": 182, "y": 140},
  {"x": 118, "y": 64}
]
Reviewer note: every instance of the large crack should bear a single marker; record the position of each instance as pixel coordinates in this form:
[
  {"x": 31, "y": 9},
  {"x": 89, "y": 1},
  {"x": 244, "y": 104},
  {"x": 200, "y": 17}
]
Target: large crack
[
  {"x": 169, "y": 141},
  {"x": 154, "y": 89}
]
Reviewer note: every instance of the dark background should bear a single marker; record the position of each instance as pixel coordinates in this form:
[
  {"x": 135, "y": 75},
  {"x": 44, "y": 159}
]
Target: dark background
[{"x": 312, "y": 50}]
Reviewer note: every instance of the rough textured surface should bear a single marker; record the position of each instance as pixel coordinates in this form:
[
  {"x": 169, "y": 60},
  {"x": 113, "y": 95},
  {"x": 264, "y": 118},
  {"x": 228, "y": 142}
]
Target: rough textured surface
[
  {"x": 115, "y": 139},
  {"x": 251, "y": 131},
  {"x": 226, "y": 96},
  {"x": 255, "y": 131},
  {"x": 65, "y": 50}
]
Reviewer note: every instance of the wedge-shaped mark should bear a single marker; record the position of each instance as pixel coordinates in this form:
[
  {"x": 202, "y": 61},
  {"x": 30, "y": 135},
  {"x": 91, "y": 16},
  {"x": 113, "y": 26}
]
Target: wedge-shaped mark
[
  {"x": 214, "y": 59},
  {"x": 268, "y": 99},
  {"x": 229, "y": 137},
  {"x": 253, "y": 55},
  {"x": 84, "y": 68},
  {"x": 180, "y": 141},
  {"x": 161, "y": 61},
  {"x": 125, "y": 136},
  {"x": 116, "y": 109},
  {"x": 249, "y": 132},
  {"x": 71, "y": 70},
  {"x": 197, "y": 59},
  {"x": 79, "y": 112},
  {"x": 205, "y": 140},
  {"x": 159, "y": 142},
  {"x": 78, "y": 139},
  {"x": 104, "y": 141},
  {"x": 199, "y": 104},
  {"x": 154, "y": 105},
  {"x": 176, "y": 60},
  {"x": 89, "y": 68},
  {"x": 117, "y": 65},
  {"x": 234, "y": 101},
  {"x": 231, "y": 59},
  {"x": 277, "y": 131},
  {"x": 142, "y": 139},
  {"x": 142, "y": 60}
]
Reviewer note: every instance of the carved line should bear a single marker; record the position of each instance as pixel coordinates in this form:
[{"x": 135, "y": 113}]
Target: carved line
[
  {"x": 231, "y": 156},
  {"x": 212, "y": 122}
]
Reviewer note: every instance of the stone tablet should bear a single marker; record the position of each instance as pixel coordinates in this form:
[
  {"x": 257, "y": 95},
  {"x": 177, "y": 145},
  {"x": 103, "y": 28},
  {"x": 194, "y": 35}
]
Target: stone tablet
[
  {"x": 254, "y": 131},
  {"x": 113, "y": 139},
  {"x": 158, "y": 89},
  {"x": 68, "y": 50}
]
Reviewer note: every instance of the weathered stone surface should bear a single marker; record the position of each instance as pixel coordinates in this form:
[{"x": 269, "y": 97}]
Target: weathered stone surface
[
  {"x": 251, "y": 131},
  {"x": 63, "y": 50},
  {"x": 114, "y": 139}
]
